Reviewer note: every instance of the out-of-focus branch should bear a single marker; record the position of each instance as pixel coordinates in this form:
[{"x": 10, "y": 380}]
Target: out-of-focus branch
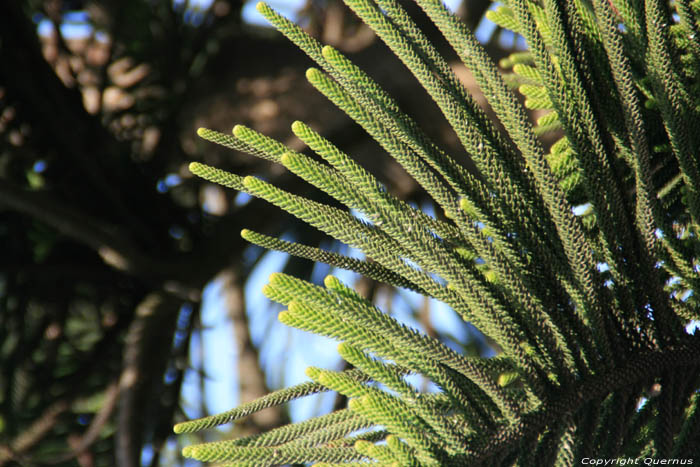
[
  {"x": 19, "y": 446},
  {"x": 182, "y": 276},
  {"x": 251, "y": 377},
  {"x": 111, "y": 244},
  {"x": 148, "y": 348},
  {"x": 98, "y": 422},
  {"x": 71, "y": 223}
]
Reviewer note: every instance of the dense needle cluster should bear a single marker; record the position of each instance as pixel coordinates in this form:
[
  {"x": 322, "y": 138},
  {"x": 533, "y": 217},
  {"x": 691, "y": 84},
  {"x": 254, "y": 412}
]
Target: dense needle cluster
[{"x": 588, "y": 309}]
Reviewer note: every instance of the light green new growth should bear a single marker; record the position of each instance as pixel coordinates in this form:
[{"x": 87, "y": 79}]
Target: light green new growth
[{"x": 577, "y": 256}]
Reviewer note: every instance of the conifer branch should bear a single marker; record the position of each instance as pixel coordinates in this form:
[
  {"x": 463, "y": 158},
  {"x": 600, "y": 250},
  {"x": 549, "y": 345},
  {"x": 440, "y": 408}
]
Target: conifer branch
[
  {"x": 275, "y": 398},
  {"x": 637, "y": 369},
  {"x": 232, "y": 142},
  {"x": 309, "y": 433},
  {"x": 587, "y": 309},
  {"x": 372, "y": 270},
  {"x": 670, "y": 94},
  {"x": 268, "y": 456}
]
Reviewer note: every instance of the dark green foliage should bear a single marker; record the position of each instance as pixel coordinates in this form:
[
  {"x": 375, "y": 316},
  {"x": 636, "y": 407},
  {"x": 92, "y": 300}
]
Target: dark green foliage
[{"x": 581, "y": 345}]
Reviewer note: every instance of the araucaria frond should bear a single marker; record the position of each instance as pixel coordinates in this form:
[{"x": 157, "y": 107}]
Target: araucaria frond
[{"x": 579, "y": 260}]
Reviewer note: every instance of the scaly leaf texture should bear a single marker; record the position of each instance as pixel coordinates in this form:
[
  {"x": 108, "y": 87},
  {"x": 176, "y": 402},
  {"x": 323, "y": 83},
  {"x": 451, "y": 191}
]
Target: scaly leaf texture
[
  {"x": 496, "y": 257},
  {"x": 673, "y": 98},
  {"x": 573, "y": 245},
  {"x": 385, "y": 413},
  {"x": 224, "y": 451},
  {"x": 372, "y": 270},
  {"x": 428, "y": 412},
  {"x": 270, "y": 400},
  {"x": 574, "y": 104},
  {"x": 313, "y": 432},
  {"x": 395, "y": 340}
]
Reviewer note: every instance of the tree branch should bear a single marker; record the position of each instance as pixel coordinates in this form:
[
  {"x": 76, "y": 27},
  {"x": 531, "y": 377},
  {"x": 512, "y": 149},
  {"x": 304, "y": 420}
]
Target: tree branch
[
  {"x": 98, "y": 422},
  {"x": 110, "y": 243},
  {"x": 639, "y": 368},
  {"x": 148, "y": 348}
]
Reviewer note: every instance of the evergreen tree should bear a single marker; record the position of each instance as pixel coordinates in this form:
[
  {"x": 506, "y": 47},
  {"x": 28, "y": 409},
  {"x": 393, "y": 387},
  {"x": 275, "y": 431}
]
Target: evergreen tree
[{"x": 578, "y": 261}]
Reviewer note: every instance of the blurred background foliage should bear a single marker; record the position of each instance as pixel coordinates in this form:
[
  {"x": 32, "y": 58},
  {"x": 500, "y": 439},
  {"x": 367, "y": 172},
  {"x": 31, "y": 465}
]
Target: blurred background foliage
[{"x": 109, "y": 245}]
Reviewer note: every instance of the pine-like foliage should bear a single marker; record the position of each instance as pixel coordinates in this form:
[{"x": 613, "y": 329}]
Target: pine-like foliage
[{"x": 589, "y": 307}]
